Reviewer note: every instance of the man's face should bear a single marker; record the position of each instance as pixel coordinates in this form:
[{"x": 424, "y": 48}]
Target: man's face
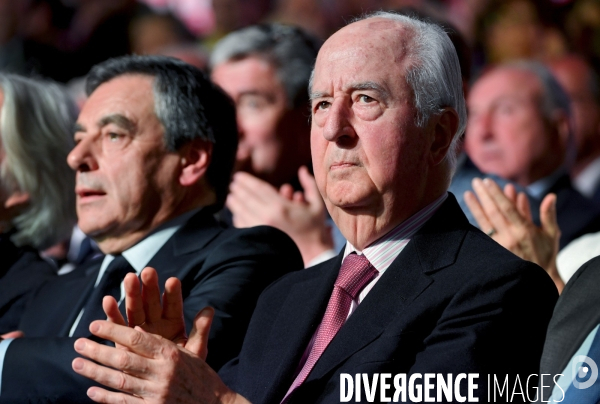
[
  {"x": 507, "y": 134},
  {"x": 369, "y": 157},
  {"x": 269, "y": 130},
  {"x": 574, "y": 76},
  {"x": 126, "y": 178}
]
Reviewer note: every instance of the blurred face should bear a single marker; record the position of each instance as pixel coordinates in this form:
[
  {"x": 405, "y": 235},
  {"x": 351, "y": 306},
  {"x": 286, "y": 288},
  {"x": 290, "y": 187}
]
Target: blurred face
[
  {"x": 574, "y": 76},
  {"x": 270, "y": 133},
  {"x": 126, "y": 178},
  {"x": 369, "y": 157},
  {"x": 507, "y": 134}
]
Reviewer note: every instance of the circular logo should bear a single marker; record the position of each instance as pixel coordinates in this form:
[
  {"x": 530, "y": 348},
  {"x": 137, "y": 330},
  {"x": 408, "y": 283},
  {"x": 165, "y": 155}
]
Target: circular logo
[{"x": 585, "y": 371}]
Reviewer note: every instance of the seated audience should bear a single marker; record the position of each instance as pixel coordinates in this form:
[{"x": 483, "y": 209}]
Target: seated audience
[
  {"x": 265, "y": 69},
  {"x": 37, "y": 207},
  {"x": 412, "y": 292},
  {"x": 519, "y": 129},
  {"x": 155, "y": 147},
  {"x": 580, "y": 81}
]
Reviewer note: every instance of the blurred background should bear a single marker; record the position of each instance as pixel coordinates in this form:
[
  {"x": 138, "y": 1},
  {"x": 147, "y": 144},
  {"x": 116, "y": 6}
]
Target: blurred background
[{"x": 62, "y": 39}]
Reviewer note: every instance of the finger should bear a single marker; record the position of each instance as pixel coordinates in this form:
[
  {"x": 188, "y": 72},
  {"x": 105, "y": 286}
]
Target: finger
[
  {"x": 100, "y": 395},
  {"x": 111, "y": 308},
  {"x": 523, "y": 206},
  {"x": 249, "y": 186},
  {"x": 510, "y": 192},
  {"x": 173, "y": 306},
  {"x": 286, "y": 191},
  {"x": 137, "y": 341},
  {"x": 299, "y": 197},
  {"x": 134, "y": 306},
  {"x": 112, "y": 378},
  {"x": 477, "y": 211},
  {"x": 247, "y": 208},
  {"x": 12, "y": 334},
  {"x": 198, "y": 341},
  {"x": 151, "y": 295},
  {"x": 241, "y": 217},
  {"x": 548, "y": 216},
  {"x": 311, "y": 191},
  {"x": 504, "y": 208},
  {"x": 119, "y": 359},
  {"x": 492, "y": 212}
]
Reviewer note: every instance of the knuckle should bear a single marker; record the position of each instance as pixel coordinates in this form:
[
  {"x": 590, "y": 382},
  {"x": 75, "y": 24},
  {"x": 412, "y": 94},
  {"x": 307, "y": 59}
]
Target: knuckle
[
  {"x": 135, "y": 338},
  {"x": 123, "y": 360},
  {"x": 121, "y": 381}
]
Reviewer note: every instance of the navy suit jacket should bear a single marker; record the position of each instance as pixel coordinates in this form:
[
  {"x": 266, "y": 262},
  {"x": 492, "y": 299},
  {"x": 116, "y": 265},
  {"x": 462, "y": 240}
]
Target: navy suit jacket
[
  {"x": 576, "y": 215},
  {"x": 223, "y": 268},
  {"x": 22, "y": 271},
  {"x": 453, "y": 301},
  {"x": 576, "y": 314}
]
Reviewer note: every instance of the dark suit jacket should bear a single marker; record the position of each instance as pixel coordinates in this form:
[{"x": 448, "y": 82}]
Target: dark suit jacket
[
  {"x": 453, "y": 301},
  {"x": 576, "y": 215},
  {"x": 223, "y": 268},
  {"x": 576, "y": 314},
  {"x": 22, "y": 271}
]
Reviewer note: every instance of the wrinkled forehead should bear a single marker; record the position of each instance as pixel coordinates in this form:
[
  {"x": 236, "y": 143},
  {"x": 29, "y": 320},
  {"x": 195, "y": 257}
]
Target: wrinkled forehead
[{"x": 372, "y": 42}]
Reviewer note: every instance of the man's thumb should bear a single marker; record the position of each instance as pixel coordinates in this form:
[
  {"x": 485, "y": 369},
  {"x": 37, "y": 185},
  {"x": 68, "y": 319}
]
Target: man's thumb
[{"x": 198, "y": 340}]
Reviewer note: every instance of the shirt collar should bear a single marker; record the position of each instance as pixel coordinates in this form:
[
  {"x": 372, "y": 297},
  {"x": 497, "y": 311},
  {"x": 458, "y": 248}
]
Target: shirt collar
[
  {"x": 384, "y": 251},
  {"x": 140, "y": 254},
  {"x": 540, "y": 188}
]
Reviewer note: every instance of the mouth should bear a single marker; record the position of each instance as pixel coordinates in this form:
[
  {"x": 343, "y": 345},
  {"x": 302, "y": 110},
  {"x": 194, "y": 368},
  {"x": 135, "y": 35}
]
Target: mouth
[
  {"x": 341, "y": 165},
  {"x": 85, "y": 194}
]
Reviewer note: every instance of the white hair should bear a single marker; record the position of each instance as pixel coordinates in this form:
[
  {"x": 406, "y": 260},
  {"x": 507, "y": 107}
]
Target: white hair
[
  {"x": 433, "y": 74},
  {"x": 36, "y": 125}
]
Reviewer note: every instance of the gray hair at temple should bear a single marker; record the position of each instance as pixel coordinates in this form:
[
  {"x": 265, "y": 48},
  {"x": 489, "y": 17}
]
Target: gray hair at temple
[
  {"x": 291, "y": 51},
  {"x": 433, "y": 74},
  {"x": 36, "y": 135}
]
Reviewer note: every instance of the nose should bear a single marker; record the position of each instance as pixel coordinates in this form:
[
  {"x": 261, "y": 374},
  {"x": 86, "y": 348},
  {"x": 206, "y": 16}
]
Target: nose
[
  {"x": 338, "y": 126},
  {"x": 480, "y": 126},
  {"x": 81, "y": 158},
  {"x": 243, "y": 151}
]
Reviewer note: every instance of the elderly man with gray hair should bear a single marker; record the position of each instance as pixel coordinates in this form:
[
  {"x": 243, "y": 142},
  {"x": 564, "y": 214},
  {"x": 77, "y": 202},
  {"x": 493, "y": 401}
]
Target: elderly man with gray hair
[
  {"x": 520, "y": 130},
  {"x": 37, "y": 205},
  {"x": 411, "y": 296}
]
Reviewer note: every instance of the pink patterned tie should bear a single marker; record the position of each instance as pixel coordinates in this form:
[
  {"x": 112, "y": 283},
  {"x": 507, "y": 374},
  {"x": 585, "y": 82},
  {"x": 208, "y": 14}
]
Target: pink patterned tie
[{"x": 355, "y": 273}]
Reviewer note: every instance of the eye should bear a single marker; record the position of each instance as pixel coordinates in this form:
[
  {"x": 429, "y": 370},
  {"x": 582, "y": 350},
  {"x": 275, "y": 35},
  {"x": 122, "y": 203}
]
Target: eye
[
  {"x": 113, "y": 136},
  {"x": 365, "y": 99},
  {"x": 322, "y": 105}
]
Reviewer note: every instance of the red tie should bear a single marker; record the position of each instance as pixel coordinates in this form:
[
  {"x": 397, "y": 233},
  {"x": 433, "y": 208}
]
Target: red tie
[{"x": 355, "y": 273}]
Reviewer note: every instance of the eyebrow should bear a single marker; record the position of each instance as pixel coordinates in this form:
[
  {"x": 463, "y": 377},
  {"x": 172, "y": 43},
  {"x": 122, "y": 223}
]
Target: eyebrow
[
  {"x": 367, "y": 85},
  {"x": 78, "y": 128},
  {"x": 119, "y": 120}
]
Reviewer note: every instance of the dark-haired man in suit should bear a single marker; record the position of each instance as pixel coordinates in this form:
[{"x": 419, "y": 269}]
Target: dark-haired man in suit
[
  {"x": 155, "y": 147},
  {"x": 416, "y": 290}
]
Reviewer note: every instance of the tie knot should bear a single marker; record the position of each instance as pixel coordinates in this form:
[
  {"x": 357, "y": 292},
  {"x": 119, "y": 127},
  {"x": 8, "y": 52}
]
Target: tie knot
[
  {"x": 119, "y": 265},
  {"x": 355, "y": 273}
]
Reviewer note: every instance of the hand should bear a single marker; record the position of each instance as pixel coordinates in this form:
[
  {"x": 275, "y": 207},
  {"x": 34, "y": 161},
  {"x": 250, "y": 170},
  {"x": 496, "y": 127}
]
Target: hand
[
  {"x": 12, "y": 334},
  {"x": 302, "y": 216},
  {"x": 144, "y": 308},
  {"x": 151, "y": 369},
  {"x": 506, "y": 216}
]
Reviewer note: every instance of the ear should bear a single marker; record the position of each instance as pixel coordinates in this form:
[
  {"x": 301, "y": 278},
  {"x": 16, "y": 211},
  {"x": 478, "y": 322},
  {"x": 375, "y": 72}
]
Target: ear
[
  {"x": 445, "y": 127},
  {"x": 16, "y": 199},
  {"x": 195, "y": 159},
  {"x": 563, "y": 125}
]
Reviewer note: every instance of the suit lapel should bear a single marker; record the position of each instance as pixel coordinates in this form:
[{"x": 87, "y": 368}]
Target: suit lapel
[
  {"x": 434, "y": 247},
  {"x": 296, "y": 322},
  {"x": 172, "y": 259},
  {"x": 85, "y": 283}
]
